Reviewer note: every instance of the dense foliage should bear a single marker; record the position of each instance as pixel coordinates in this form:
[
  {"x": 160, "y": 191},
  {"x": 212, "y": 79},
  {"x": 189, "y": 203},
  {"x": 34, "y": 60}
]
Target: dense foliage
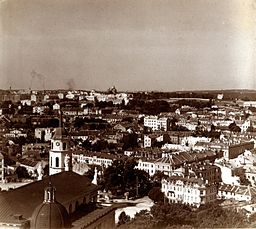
[
  {"x": 156, "y": 195},
  {"x": 90, "y": 123},
  {"x": 123, "y": 218},
  {"x": 122, "y": 177},
  {"x": 179, "y": 216},
  {"x": 157, "y": 106}
]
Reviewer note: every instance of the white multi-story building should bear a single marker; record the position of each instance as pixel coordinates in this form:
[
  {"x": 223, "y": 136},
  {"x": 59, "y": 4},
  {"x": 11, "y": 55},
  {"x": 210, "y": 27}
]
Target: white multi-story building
[
  {"x": 15, "y": 134},
  {"x": 191, "y": 141},
  {"x": 249, "y": 104},
  {"x": 243, "y": 124},
  {"x": 38, "y": 109},
  {"x": 44, "y": 134},
  {"x": 188, "y": 190},
  {"x": 151, "y": 121},
  {"x": 250, "y": 174},
  {"x": 189, "y": 125},
  {"x": 147, "y": 141},
  {"x": 157, "y": 123},
  {"x": 93, "y": 158},
  {"x": 163, "y": 124},
  {"x": 147, "y": 165},
  {"x": 150, "y": 139},
  {"x": 166, "y": 164},
  {"x": 227, "y": 176}
]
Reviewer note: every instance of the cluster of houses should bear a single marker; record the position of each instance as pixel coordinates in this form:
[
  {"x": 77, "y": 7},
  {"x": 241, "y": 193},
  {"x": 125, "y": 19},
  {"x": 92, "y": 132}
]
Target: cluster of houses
[{"x": 203, "y": 154}]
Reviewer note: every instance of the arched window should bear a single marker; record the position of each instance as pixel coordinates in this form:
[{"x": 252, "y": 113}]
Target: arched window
[
  {"x": 57, "y": 162},
  {"x": 77, "y": 205},
  {"x": 48, "y": 195}
]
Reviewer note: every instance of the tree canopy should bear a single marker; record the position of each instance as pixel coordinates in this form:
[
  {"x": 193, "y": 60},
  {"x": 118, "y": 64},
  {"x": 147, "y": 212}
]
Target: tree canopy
[
  {"x": 175, "y": 215},
  {"x": 122, "y": 177}
]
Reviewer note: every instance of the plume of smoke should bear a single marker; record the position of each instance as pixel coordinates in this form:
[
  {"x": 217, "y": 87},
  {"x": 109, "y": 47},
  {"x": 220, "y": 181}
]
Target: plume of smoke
[
  {"x": 37, "y": 76},
  {"x": 71, "y": 84}
]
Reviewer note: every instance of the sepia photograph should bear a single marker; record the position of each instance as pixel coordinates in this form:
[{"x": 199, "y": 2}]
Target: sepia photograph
[{"x": 127, "y": 114}]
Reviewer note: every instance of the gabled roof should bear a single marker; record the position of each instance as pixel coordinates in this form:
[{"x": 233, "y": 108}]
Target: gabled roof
[
  {"x": 241, "y": 190},
  {"x": 25, "y": 199},
  {"x": 28, "y": 162},
  {"x": 102, "y": 155},
  {"x": 185, "y": 157}
]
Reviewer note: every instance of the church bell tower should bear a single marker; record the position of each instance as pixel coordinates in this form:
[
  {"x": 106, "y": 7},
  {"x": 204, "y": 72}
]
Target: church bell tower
[{"x": 59, "y": 151}]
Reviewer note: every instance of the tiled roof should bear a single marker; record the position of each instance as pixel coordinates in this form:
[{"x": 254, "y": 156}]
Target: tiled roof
[
  {"x": 202, "y": 167},
  {"x": 145, "y": 159},
  {"x": 25, "y": 199},
  {"x": 242, "y": 190},
  {"x": 185, "y": 157},
  {"x": 28, "y": 162},
  {"x": 92, "y": 217}
]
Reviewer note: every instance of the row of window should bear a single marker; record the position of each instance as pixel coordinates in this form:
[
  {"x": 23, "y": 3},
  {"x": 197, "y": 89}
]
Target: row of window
[
  {"x": 146, "y": 165},
  {"x": 184, "y": 198},
  {"x": 253, "y": 177},
  {"x": 87, "y": 160},
  {"x": 181, "y": 189},
  {"x": 232, "y": 194},
  {"x": 163, "y": 167}
]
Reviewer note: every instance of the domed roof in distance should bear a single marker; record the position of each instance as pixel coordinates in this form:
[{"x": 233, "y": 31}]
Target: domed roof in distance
[{"x": 50, "y": 215}]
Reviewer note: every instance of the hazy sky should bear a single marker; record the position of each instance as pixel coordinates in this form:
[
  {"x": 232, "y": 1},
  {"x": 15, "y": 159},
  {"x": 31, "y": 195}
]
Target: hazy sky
[{"x": 132, "y": 44}]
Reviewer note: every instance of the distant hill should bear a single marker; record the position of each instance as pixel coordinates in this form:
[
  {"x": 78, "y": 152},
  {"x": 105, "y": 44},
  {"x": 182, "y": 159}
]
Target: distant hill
[
  {"x": 230, "y": 94},
  {"x": 233, "y": 95}
]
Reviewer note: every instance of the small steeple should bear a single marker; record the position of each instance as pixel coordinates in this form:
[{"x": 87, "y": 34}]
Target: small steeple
[
  {"x": 49, "y": 194},
  {"x": 59, "y": 134}
]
